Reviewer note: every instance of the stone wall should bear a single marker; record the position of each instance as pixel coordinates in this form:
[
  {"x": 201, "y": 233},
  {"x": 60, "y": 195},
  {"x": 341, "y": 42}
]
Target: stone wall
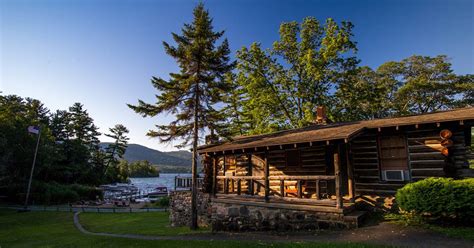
[
  {"x": 241, "y": 217},
  {"x": 180, "y": 209}
]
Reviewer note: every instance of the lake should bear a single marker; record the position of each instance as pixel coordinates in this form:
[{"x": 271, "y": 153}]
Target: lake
[{"x": 146, "y": 184}]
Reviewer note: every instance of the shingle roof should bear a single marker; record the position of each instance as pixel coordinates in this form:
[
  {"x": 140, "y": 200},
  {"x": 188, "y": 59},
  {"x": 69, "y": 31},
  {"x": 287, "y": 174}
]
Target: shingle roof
[{"x": 335, "y": 131}]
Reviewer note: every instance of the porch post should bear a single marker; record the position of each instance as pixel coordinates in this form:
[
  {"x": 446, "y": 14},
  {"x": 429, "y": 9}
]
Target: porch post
[
  {"x": 249, "y": 173},
  {"x": 350, "y": 173},
  {"x": 337, "y": 174},
  {"x": 226, "y": 182},
  {"x": 267, "y": 182},
  {"x": 214, "y": 175}
]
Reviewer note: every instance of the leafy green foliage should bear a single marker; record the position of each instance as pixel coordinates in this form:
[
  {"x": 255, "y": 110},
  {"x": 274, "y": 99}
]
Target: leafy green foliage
[
  {"x": 279, "y": 88},
  {"x": 68, "y": 152},
  {"x": 142, "y": 169},
  {"x": 164, "y": 201},
  {"x": 415, "y": 85},
  {"x": 439, "y": 198},
  {"x": 314, "y": 64},
  {"x": 54, "y": 193}
]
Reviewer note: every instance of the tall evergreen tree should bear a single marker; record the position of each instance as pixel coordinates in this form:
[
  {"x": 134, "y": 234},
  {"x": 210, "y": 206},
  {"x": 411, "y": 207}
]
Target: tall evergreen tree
[
  {"x": 82, "y": 126},
  {"x": 117, "y": 149},
  {"x": 192, "y": 94}
]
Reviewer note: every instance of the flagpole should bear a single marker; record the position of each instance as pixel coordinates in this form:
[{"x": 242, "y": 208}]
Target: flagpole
[{"x": 32, "y": 169}]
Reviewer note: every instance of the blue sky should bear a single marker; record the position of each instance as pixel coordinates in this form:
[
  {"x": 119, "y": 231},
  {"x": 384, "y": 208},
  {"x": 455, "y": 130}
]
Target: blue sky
[{"x": 103, "y": 53}]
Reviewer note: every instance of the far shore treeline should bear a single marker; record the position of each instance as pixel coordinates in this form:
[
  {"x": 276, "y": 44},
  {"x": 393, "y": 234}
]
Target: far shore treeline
[
  {"x": 259, "y": 90},
  {"x": 70, "y": 162}
]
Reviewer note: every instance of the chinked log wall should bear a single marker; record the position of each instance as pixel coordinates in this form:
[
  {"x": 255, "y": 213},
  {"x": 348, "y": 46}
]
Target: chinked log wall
[
  {"x": 304, "y": 161},
  {"x": 424, "y": 157}
]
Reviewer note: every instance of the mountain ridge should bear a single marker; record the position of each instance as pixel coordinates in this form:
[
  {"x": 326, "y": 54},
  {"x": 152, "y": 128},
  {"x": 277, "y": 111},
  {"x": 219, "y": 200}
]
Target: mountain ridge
[{"x": 172, "y": 161}]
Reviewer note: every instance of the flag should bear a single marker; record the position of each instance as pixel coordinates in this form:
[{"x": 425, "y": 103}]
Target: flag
[{"x": 33, "y": 129}]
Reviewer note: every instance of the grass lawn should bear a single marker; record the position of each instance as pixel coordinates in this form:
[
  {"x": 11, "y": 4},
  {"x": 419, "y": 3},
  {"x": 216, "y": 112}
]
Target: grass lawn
[
  {"x": 455, "y": 232},
  {"x": 450, "y": 231},
  {"x": 56, "y": 229},
  {"x": 155, "y": 223}
]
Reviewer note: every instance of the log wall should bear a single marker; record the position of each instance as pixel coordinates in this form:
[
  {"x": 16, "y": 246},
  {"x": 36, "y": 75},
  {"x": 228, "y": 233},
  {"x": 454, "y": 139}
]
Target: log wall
[
  {"x": 424, "y": 156},
  {"x": 301, "y": 161}
]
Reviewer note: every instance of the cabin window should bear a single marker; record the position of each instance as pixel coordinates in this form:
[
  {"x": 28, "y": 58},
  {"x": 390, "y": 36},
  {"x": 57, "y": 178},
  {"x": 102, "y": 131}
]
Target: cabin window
[
  {"x": 292, "y": 157},
  {"x": 393, "y": 158}
]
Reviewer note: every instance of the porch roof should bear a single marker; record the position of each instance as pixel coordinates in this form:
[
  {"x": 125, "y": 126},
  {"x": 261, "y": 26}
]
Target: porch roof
[{"x": 335, "y": 131}]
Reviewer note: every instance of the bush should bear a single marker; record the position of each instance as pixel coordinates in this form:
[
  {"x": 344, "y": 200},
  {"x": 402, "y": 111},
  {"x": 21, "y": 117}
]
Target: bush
[
  {"x": 164, "y": 201},
  {"x": 87, "y": 192},
  {"x": 55, "y": 193},
  {"x": 438, "y": 198}
]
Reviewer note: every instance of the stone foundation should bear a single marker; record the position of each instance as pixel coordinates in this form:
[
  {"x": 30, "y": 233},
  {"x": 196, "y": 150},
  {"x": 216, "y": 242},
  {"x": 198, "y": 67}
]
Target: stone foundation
[
  {"x": 241, "y": 217},
  {"x": 180, "y": 209}
]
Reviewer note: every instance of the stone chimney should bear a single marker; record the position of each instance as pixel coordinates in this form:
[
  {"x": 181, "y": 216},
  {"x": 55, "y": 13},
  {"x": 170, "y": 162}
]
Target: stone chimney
[
  {"x": 321, "y": 115},
  {"x": 211, "y": 138}
]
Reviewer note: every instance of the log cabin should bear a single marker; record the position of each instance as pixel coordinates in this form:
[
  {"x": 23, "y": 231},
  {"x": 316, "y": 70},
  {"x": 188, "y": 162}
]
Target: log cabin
[{"x": 306, "y": 177}]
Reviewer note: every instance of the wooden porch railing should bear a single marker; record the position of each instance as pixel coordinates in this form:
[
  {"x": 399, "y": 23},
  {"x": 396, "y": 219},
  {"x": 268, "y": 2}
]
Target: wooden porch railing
[
  {"x": 186, "y": 182},
  {"x": 237, "y": 180},
  {"x": 266, "y": 178}
]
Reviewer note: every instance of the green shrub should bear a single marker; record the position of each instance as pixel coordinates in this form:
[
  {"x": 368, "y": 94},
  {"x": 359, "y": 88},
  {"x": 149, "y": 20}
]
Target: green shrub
[
  {"x": 55, "y": 193},
  {"x": 164, "y": 201},
  {"x": 438, "y": 198},
  {"x": 87, "y": 192}
]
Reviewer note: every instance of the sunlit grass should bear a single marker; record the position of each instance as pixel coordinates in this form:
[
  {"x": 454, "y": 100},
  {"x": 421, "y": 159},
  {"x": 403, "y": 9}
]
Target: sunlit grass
[
  {"x": 155, "y": 223},
  {"x": 56, "y": 229}
]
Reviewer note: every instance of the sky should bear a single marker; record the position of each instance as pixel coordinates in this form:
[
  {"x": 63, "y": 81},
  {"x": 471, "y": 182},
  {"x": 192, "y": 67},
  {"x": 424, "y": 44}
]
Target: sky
[{"x": 103, "y": 53}]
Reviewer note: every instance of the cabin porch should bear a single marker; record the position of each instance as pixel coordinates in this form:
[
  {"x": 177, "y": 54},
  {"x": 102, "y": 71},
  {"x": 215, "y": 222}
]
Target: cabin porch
[{"x": 319, "y": 182}]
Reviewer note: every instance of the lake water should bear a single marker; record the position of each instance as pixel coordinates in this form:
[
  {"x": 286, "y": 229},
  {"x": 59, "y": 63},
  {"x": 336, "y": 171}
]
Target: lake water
[{"x": 146, "y": 184}]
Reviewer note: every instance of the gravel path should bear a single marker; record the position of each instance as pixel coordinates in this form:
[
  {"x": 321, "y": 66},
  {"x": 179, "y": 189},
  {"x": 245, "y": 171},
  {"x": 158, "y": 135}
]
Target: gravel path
[{"x": 382, "y": 234}]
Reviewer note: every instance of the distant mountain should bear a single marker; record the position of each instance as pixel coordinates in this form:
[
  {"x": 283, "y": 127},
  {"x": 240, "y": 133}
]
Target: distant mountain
[{"x": 175, "y": 161}]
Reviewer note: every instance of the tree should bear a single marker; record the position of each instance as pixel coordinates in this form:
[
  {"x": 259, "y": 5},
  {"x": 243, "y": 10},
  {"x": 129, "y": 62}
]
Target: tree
[
  {"x": 192, "y": 94},
  {"x": 81, "y": 149},
  {"x": 63, "y": 160},
  {"x": 115, "y": 150},
  {"x": 82, "y": 126},
  {"x": 465, "y": 88},
  {"x": 428, "y": 84},
  {"x": 361, "y": 96},
  {"x": 142, "y": 168},
  {"x": 281, "y": 87}
]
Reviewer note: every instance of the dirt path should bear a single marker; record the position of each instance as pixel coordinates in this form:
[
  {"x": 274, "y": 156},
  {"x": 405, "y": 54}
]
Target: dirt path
[{"x": 382, "y": 234}]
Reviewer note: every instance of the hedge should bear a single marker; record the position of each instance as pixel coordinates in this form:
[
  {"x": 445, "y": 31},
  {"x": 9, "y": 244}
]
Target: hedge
[
  {"x": 53, "y": 193},
  {"x": 438, "y": 198}
]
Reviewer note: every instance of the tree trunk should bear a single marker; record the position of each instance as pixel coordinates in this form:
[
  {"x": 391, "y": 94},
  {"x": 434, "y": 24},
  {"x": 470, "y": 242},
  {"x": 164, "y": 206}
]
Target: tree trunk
[{"x": 194, "y": 161}]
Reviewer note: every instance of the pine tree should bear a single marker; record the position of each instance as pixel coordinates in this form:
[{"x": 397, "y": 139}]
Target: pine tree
[
  {"x": 192, "y": 94},
  {"x": 82, "y": 126},
  {"x": 117, "y": 149}
]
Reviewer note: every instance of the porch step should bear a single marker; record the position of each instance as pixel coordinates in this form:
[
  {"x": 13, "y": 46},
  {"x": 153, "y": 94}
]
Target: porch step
[{"x": 355, "y": 218}]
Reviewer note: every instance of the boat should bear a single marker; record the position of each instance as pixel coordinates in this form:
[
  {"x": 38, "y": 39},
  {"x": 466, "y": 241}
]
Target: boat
[{"x": 158, "y": 193}]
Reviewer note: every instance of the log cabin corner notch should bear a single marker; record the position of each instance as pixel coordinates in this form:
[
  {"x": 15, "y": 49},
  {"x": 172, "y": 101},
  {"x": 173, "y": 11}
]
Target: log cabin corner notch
[{"x": 324, "y": 168}]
